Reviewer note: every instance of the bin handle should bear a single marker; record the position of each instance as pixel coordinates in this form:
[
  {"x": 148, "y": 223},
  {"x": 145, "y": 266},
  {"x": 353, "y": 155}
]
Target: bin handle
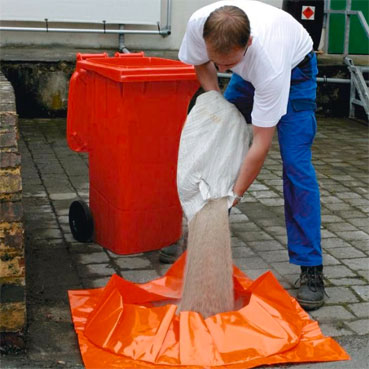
[
  {"x": 127, "y": 55},
  {"x": 81, "y": 56},
  {"x": 75, "y": 142}
]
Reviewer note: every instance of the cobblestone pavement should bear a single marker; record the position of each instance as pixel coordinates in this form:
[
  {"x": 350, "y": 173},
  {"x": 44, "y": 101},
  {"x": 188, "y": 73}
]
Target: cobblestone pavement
[{"x": 53, "y": 176}]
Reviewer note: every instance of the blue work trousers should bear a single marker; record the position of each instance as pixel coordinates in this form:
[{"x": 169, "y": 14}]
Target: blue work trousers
[{"x": 296, "y": 132}]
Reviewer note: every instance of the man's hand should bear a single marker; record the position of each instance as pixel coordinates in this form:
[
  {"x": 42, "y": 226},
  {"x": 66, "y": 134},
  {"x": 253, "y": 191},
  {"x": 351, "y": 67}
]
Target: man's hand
[
  {"x": 251, "y": 166},
  {"x": 207, "y": 76}
]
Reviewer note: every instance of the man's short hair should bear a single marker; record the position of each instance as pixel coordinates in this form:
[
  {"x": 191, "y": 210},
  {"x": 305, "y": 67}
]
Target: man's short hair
[{"x": 226, "y": 28}]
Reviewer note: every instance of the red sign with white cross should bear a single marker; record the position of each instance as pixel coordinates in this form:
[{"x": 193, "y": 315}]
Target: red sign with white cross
[{"x": 308, "y": 12}]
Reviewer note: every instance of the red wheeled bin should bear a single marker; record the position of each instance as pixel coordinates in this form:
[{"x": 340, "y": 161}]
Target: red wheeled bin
[{"x": 127, "y": 112}]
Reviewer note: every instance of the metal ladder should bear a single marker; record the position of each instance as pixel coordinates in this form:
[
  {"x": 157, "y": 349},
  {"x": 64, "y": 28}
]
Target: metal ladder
[{"x": 358, "y": 88}]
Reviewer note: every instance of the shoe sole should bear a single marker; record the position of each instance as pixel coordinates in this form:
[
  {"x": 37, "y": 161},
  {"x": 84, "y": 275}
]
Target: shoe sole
[{"x": 309, "y": 306}]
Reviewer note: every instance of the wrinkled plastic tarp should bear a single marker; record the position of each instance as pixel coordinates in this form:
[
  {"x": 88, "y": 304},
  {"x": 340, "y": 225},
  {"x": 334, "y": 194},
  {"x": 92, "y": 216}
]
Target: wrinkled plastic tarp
[
  {"x": 130, "y": 325},
  {"x": 213, "y": 143}
]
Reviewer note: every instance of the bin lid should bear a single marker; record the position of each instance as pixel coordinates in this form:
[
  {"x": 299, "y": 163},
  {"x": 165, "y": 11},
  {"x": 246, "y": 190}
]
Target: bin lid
[{"x": 139, "y": 69}]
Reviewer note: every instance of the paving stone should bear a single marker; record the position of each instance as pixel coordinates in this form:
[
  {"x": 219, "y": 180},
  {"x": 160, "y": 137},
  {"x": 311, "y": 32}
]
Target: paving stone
[
  {"x": 133, "y": 263},
  {"x": 292, "y": 280},
  {"x": 248, "y": 199},
  {"x": 245, "y": 227},
  {"x": 263, "y": 194},
  {"x": 335, "y": 329},
  {"x": 282, "y": 239},
  {"x": 68, "y": 237},
  {"x": 330, "y": 200},
  {"x": 274, "y": 256},
  {"x": 268, "y": 245},
  {"x": 362, "y": 245},
  {"x": 363, "y": 273},
  {"x": 349, "y": 214},
  {"x": 257, "y": 187},
  {"x": 242, "y": 252},
  {"x": 360, "y": 327},
  {"x": 62, "y": 211},
  {"x": 38, "y": 194},
  {"x": 85, "y": 195},
  {"x": 237, "y": 218},
  {"x": 337, "y": 271},
  {"x": 79, "y": 247},
  {"x": 329, "y": 260},
  {"x": 339, "y": 227},
  {"x": 93, "y": 258},
  {"x": 139, "y": 276},
  {"x": 63, "y": 196},
  {"x": 236, "y": 242},
  {"x": 331, "y": 219},
  {"x": 347, "y": 281},
  {"x": 95, "y": 283},
  {"x": 348, "y": 195},
  {"x": 256, "y": 211},
  {"x": 362, "y": 291},
  {"x": 97, "y": 270},
  {"x": 47, "y": 233},
  {"x": 60, "y": 344},
  {"x": 55, "y": 313},
  {"x": 326, "y": 234},
  {"x": 340, "y": 295},
  {"x": 361, "y": 309},
  {"x": 346, "y": 252},
  {"x": 63, "y": 219},
  {"x": 331, "y": 314},
  {"x": 357, "y": 264},
  {"x": 360, "y": 222},
  {"x": 360, "y": 203},
  {"x": 271, "y": 222},
  {"x": 334, "y": 242},
  {"x": 342, "y": 177},
  {"x": 254, "y": 236},
  {"x": 272, "y": 202},
  {"x": 252, "y": 273},
  {"x": 251, "y": 263},
  {"x": 163, "y": 268},
  {"x": 338, "y": 207},
  {"x": 285, "y": 268},
  {"x": 277, "y": 230},
  {"x": 353, "y": 235}
]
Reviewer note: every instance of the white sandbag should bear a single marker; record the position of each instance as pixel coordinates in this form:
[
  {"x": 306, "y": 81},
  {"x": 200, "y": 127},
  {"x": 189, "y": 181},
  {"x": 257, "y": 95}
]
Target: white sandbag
[{"x": 213, "y": 143}]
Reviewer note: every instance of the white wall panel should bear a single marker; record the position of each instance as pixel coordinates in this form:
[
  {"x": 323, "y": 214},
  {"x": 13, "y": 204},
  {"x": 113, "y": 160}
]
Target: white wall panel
[
  {"x": 181, "y": 12},
  {"x": 83, "y": 11}
]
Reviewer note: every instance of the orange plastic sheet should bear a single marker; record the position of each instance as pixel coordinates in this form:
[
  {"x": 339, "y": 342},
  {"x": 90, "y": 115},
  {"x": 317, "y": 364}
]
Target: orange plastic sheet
[{"x": 129, "y": 325}]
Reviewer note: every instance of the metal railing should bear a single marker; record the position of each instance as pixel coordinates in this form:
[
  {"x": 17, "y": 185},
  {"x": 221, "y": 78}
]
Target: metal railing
[{"x": 358, "y": 88}]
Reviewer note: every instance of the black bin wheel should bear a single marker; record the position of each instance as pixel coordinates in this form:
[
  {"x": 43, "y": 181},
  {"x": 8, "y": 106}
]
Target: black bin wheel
[{"x": 80, "y": 221}]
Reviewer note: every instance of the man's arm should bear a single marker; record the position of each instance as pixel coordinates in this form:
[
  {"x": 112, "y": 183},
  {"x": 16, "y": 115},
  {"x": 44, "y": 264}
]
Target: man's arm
[
  {"x": 254, "y": 159},
  {"x": 207, "y": 76}
]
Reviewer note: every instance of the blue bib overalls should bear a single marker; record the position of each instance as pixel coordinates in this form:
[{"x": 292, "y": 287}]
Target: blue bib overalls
[{"x": 296, "y": 132}]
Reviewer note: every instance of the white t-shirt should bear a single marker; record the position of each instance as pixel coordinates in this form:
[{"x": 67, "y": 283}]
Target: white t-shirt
[{"x": 279, "y": 43}]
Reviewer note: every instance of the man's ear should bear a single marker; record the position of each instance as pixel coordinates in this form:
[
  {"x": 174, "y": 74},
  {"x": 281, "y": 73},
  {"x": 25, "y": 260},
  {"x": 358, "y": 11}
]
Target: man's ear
[{"x": 249, "y": 42}]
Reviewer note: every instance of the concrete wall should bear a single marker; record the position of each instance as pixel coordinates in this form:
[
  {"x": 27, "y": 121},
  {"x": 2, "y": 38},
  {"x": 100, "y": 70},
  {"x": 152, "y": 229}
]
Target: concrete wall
[{"x": 181, "y": 11}]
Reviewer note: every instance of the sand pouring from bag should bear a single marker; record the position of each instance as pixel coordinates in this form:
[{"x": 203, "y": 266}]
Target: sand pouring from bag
[{"x": 208, "y": 282}]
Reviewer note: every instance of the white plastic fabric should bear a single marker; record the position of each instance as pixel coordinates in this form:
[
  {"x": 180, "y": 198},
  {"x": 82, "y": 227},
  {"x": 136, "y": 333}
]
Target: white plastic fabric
[{"x": 213, "y": 144}]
